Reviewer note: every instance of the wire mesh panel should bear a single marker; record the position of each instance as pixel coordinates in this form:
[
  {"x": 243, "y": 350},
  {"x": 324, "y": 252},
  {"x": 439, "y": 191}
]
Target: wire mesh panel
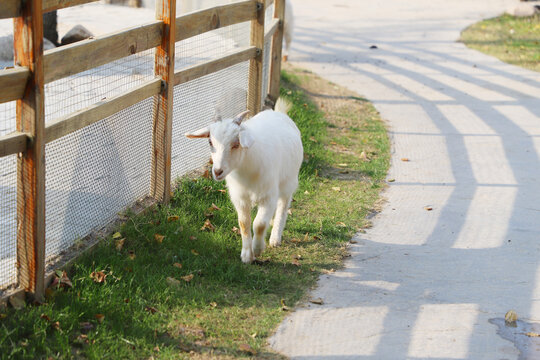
[
  {"x": 195, "y": 105},
  {"x": 94, "y": 173},
  {"x": 8, "y": 221}
]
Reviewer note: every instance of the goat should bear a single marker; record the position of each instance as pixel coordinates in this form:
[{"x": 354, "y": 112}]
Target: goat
[
  {"x": 288, "y": 28},
  {"x": 260, "y": 160}
]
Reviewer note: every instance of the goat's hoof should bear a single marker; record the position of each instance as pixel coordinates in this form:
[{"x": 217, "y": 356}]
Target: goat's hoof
[
  {"x": 258, "y": 248},
  {"x": 247, "y": 256},
  {"x": 275, "y": 242}
]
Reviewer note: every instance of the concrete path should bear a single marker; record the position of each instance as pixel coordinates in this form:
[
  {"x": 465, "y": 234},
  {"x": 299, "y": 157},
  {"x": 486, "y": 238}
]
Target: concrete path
[{"x": 430, "y": 284}]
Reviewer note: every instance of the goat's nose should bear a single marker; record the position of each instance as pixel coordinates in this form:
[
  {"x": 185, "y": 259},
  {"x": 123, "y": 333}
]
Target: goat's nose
[{"x": 218, "y": 172}]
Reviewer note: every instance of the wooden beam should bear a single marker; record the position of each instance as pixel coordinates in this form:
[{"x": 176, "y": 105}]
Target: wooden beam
[
  {"x": 12, "y": 83},
  {"x": 256, "y": 64},
  {"x": 13, "y": 143},
  {"x": 217, "y": 17},
  {"x": 274, "y": 25},
  {"x": 212, "y": 66},
  {"x": 28, "y": 51},
  {"x": 66, "y": 125},
  {"x": 160, "y": 184},
  {"x": 268, "y": 3},
  {"x": 51, "y": 5},
  {"x": 10, "y": 8},
  {"x": 275, "y": 58},
  {"x": 87, "y": 54}
]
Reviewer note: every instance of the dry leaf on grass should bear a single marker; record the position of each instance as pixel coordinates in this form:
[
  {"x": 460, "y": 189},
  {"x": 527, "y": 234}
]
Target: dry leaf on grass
[
  {"x": 247, "y": 349},
  {"x": 194, "y": 252},
  {"x": 159, "y": 238},
  {"x": 116, "y": 235},
  {"x": 364, "y": 157},
  {"x": 336, "y": 188},
  {"x": 120, "y": 244},
  {"x": 150, "y": 309},
  {"x": 213, "y": 304},
  {"x": 341, "y": 224},
  {"x": 98, "y": 276},
  {"x": 187, "y": 278},
  {"x": 99, "y": 318},
  {"x": 172, "y": 218},
  {"x": 208, "y": 226},
  {"x": 177, "y": 265},
  {"x": 283, "y": 306},
  {"x": 235, "y": 230},
  {"x": 131, "y": 254},
  {"x": 45, "y": 317},
  {"x": 61, "y": 280},
  {"x": 296, "y": 263}
]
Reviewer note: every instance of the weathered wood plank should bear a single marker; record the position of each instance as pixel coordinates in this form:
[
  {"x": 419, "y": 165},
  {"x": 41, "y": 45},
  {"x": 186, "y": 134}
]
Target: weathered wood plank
[
  {"x": 256, "y": 64},
  {"x": 277, "y": 44},
  {"x": 199, "y": 22},
  {"x": 274, "y": 25},
  {"x": 13, "y": 143},
  {"x": 28, "y": 51},
  {"x": 212, "y": 66},
  {"x": 268, "y": 3},
  {"x": 12, "y": 83},
  {"x": 66, "y": 125},
  {"x": 10, "y": 8},
  {"x": 87, "y": 54},
  {"x": 50, "y": 5},
  {"x": 160, "y": 183}
]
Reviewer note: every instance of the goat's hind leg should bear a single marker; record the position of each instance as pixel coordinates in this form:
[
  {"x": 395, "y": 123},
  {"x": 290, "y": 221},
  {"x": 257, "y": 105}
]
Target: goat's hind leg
[
  {"x": 260, "y": 225},
  {"x": 280, "y": 219}
]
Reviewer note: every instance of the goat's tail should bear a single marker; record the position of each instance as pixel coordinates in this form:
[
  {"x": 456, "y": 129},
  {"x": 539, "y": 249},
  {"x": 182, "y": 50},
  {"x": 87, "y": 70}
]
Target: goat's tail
[{"x": 283, "y": 105}]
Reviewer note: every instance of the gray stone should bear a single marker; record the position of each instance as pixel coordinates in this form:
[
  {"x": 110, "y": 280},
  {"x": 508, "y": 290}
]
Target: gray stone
[
  {"x": 77, "y": 33},
  {"x": 6, "y": 47},
  {"x": 524, "y": 9}
]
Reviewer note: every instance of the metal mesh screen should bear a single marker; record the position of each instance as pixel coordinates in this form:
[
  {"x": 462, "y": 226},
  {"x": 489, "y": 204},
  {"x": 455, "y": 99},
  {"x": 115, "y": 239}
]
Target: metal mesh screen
[
  {"x": 195, "y": 104},
  {"x": 95, "y": 172},
  {"x": 8, "y": 220}
]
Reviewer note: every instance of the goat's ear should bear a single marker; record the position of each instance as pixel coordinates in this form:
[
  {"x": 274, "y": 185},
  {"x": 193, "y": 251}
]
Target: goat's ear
[
  {"x": 240, "y": 117},
  {"x": 245, "y": 138},
  {"x": 201, "y": 133}
]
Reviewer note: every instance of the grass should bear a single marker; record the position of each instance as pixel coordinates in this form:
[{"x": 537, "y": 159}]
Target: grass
[
  {"x": 512, "y": 39},
  {"x": 164, "y": 288}
]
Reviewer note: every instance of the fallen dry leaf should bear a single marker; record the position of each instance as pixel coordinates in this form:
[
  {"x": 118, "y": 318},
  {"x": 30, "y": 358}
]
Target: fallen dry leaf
[
  {"x": 336, "y": 188},
  {"x": 151, "y": 309},
  {"x": 329, "y": 271},
  {"x": 56, "y": 326},
  {"x": 98, "y": 276},
  {"x": 86, "y": 326},
  {"x": 61, "y": 280},
  {"x": 391, "y": 180},
  {"x": 177, "y": 265},
  {"x": 120, "y": 244},
  {"x": 317, "y": 301},
  {"x": 208, "y": 226},
  {"x": 99, "y": 318},
  {"x": 117, "y": 235},
  {"x": 353, "y": 241},
  {"x": 532, "y": 334},
  {"x": 194, "y": 252},
  {"x": 192, "y": 238},
  {"x": 223, "y": 191},
  {"x": 341, "y": 224},
  {"x": 235, "y": 230},
  {"x": 405, "y": 159},
  {"x": 159, "y": 238},
  {"x": 213, "y": 304},
  {"x": 214, "y": 207},
  {"x": 45, "y": 317},
  {"x": 283, "y": 306},
  {"x": 131, "y": 254},
  {"x": 510, "y": 317},
  {"x": 254, "y": 335},
  {"x": 364, "y": 157},
  {"x": 187, "y": 278},
  {"x": 343, "y": 165},
  {"x": 172, "y": 218},
  {"x": 428, "y": 208},
  {"x": 248, "y": 349},
  {"x": 296, "y": 263},
  {"x": 306, "y": 237}
]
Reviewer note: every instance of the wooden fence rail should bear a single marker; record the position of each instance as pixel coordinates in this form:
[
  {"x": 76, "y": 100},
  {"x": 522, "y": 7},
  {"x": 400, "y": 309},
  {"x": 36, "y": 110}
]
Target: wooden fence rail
[{"x": 25, "y": 84}]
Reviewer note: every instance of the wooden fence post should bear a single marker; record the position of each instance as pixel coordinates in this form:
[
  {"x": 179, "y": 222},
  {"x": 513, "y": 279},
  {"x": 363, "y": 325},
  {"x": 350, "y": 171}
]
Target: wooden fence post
[
  {"x": 277, "y": 44},
  {"x": 163, "y": 103},
  {"x": 256, "y": 64},
  {"x": 28, "y": 51}
]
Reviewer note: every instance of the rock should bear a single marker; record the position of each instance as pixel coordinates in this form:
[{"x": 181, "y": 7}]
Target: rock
[
  {"x": 50, "y": 25},
  {"x": 77, "y": 33},
  {"x": 6, "y": 47}
]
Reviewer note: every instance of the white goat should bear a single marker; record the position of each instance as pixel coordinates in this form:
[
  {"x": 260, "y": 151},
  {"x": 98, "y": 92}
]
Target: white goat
[
  {"x": 288, "y": 28},
  {"x": 260, "y": 159}
]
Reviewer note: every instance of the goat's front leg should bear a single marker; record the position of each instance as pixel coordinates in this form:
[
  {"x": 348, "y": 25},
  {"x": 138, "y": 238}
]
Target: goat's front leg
[
  {"x": 244, "y": 221},
  {"x": 260, "y": 225}
]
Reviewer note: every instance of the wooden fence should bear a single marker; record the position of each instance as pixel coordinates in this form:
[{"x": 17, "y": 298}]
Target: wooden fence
[{"x": 25, "y": 84}]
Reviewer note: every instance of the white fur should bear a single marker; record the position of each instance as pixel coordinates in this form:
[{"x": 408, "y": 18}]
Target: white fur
[
  {"x": 262, "y": 171},
  {"x": 288, "y": 27}
]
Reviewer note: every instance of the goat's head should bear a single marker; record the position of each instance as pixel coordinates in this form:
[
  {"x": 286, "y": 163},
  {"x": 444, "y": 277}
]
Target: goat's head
[{"x": 228, "y": 140}]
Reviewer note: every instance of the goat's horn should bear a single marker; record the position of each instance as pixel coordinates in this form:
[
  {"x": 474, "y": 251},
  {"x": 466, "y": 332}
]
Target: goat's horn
[{"x": 240, "y": 117}]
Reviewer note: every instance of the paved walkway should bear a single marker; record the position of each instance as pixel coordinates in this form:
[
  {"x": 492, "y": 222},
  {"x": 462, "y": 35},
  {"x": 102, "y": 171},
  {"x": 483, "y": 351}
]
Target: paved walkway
[{"x": 430, "y": 284}]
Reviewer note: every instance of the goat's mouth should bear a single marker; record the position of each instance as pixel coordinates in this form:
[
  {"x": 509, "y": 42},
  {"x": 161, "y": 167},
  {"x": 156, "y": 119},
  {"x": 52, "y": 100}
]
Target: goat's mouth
[{"x": 219, "y": 178}]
